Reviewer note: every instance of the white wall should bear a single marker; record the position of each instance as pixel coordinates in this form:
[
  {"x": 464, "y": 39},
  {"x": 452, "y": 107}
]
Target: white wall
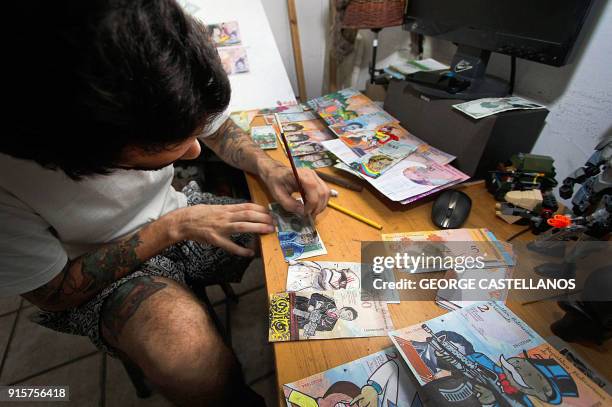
[
  {"x": 313, "y": 16},
  {"x": 578, "y": 95}
]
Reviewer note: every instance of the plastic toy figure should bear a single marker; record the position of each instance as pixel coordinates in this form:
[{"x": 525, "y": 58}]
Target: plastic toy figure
[{"x": 590, "y": 317}]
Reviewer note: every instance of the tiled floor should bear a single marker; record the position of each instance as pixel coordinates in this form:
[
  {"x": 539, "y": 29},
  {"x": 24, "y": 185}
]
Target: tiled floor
[{"x": 34, "y": 355}]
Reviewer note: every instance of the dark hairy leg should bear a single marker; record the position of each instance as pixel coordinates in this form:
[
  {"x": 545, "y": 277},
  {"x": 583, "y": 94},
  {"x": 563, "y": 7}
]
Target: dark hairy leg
[{"x": 161, "y": 327}]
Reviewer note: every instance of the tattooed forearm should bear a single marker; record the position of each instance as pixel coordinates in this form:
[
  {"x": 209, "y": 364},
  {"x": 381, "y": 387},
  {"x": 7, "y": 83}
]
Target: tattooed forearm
[
  {"x": 236, "y": 147},
  {"x": 88, "y": 274}
]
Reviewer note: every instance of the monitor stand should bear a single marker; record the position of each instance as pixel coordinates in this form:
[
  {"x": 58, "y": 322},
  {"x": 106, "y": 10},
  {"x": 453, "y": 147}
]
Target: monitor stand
[{"x": 465, "y": 80}]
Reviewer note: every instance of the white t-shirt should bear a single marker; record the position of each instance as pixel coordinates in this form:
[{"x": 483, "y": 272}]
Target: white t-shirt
[{"x": 46, "y": 218}]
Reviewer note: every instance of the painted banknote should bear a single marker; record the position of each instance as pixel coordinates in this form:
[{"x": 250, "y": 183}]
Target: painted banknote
[
  {"x": 379, "y": 379},
  {"x": 486, "y": 355},
  {"x": 296, "y": 233},
  {"x": 264, "y": 137},
  {"x": 480, "y": 108},
  {"x": 311, "y": 314}
]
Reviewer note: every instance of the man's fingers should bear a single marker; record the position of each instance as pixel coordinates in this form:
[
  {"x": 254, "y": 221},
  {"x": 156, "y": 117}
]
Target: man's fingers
[
  {"x": 250, "y": 227},
  {"x": 317, "y": 194},
  {"x": 252, "y": 216},
  {"x": 231, "y": 247},
  {"x": 288, "y": 202},
  {"x": 246, "y": 207}
]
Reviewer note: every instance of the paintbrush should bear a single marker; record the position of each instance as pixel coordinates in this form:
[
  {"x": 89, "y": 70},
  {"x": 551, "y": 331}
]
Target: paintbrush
[{"x": 290, "y": 156}]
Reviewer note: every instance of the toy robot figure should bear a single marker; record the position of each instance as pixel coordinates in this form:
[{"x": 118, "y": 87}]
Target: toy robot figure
[
  {"x": 524, "y": 188},
  {"x": 591, "y": 220}
]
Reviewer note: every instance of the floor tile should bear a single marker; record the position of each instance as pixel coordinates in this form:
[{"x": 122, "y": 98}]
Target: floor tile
[
  {"x": 9, "y": 304},
  {"x": 121, "y": 392},
  {"x": 250, "y": 335},
  {"x": 35, "y": 348},
  {"x": 267, "y": 389},
  {"x": 83, "y": 378},
  {"x": 6, "y": 324},
  {"x": 253, "y": 278}
]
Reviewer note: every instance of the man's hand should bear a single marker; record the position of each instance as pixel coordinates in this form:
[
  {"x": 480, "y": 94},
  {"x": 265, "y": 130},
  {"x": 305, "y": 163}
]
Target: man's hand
[
  {"x": 214, "y": 224},
  {"x": 281, "y": 183},
  {"x": 236, "y": 148}
]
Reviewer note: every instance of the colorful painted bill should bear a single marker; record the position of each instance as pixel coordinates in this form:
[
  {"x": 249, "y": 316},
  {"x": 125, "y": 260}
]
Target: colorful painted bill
[
  {"x": 323, "y": 276},
  {"x": 315, "y": 136},
  {"x": 377, "y": 162},
  {"x": 400, "y": 183},
  {"x": 313, "y": 161},
  {"x": 477, "y": 109},
  {"x": 225, "y": 34},
  {"x": 344, "y": 105},
  {"x": 483, "y": 243},
  {"x": 310, "y": 314},
  {"x": 306, "y": 148},
  {"x": 297, "y": 235},
  {"x": 484, "y": 355},
  {"x": 234, "y": 60},
  {"x": 264, "y": 137},
  {"x": 380, "y": 379},
  {"x": 296, "y": 117},
  {"x": 369, "y": 122},
  {"x": 328, "y": 275},
  {"x": 307, "y": 125}
]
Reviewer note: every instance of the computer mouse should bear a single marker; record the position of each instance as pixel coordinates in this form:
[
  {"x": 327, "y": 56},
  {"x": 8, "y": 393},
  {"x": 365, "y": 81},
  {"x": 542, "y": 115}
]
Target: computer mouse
[{"x": 451, "y": 209}]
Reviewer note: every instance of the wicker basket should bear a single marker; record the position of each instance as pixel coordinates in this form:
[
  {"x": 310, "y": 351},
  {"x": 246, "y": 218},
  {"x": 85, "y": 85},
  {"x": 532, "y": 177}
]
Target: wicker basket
[{"x": 374, "y": 13}]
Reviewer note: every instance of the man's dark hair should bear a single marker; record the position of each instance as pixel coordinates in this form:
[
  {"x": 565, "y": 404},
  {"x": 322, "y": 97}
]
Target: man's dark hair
[{"x": 92, "y": 77}]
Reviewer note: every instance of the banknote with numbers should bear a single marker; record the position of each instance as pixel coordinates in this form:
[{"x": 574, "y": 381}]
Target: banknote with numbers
[
  {"x": 378, "y": 379},
  {"x": 480, "y": 108},
  {"x": 297, "y": 234},
  {"x": 296, "y": 316},
  {"x": 486, "y": 355}
]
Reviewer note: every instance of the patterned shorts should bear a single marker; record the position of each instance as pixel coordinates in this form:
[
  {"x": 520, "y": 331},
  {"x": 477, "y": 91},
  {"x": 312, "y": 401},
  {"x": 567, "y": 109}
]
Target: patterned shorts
[{"x": 187, "y": 263}]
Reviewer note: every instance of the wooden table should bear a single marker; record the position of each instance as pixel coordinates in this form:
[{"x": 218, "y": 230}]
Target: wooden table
[{"x": 342, "y": 236}]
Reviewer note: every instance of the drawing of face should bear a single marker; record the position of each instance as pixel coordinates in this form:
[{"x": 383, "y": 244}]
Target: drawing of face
[
  {"x": 352, "y": 126},
  {"x": 526, "y": 377},
  {"x": 240, "y": 65},
  {"x": 379, "y": 163},
  {"x": 331, "y": 279},
  {"x": 347, "y": 313},
  {"x": 326, "y": 162},
  {"x": 291, "y": 127},
  {"x": 297, "y": 137},
  {"x": 425, "y": 176},
  {"x": 308, "y": 148}
]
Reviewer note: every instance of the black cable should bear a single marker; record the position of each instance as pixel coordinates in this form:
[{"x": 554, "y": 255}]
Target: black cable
[
  {"x": 514, "y": 236},
  {"x": 512, "y": 74}
]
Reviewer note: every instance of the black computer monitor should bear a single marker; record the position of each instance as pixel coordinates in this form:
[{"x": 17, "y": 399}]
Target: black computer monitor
[{"x": 538, "y": 30}]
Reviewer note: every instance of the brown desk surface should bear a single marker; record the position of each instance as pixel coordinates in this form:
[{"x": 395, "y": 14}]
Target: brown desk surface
[{"x": 342, "y": 236}]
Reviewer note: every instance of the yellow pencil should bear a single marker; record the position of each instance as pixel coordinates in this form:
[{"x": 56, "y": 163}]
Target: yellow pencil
[{"x": 354, "y": 215}]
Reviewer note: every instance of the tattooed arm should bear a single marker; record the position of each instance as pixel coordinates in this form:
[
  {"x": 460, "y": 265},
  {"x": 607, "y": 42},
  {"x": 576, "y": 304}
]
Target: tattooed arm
[
  {"x": 236, "y": 148},
  {"x": 84, "y": 277}
]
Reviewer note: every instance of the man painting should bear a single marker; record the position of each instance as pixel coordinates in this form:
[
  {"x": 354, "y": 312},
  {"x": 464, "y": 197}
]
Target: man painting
[{"x": 105, "y": 97}]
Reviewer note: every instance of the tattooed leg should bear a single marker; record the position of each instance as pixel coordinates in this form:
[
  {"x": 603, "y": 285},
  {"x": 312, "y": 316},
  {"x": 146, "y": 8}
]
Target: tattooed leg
[
  {"x": 125, "y": 301},
  {"x": 161, "y": 327}
]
